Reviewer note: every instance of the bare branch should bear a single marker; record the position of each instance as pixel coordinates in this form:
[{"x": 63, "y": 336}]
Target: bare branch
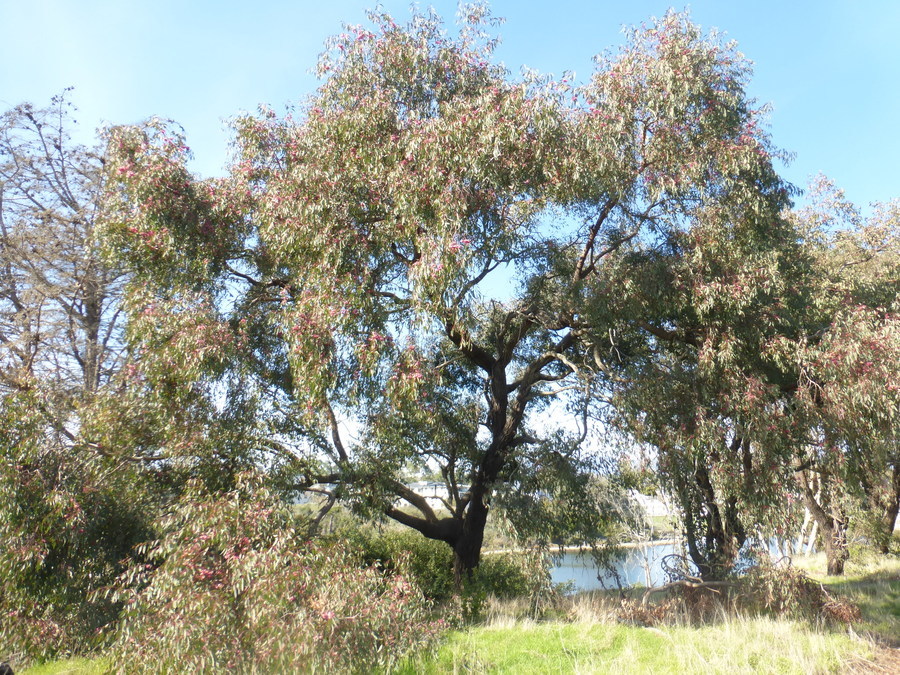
[
  {"x": 606, "y": 209},
  {"x": 335, "y": 432},
  {"x": 414, "y": 499}
]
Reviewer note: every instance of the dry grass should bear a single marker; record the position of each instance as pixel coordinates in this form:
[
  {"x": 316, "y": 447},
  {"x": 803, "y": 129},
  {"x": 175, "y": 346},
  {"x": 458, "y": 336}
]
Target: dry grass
[
  {"x": 758, "y": 645},
  {"x": 601, "y": 632}
]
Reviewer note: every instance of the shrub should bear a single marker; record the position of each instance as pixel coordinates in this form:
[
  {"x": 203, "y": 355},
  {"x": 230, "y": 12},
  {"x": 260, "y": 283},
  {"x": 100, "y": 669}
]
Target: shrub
[
  {"x": 238, "y": 589},
  {"x": 512, "y": 575},
  {"x": 631, "y": 611},
  {"x": 505, "y": 575},
  {"x": 67, "y": 520},
  {"x": 764, "y": 587},
  {"x": 784, "y": 590},
  {"x": 430, "y": 562}
]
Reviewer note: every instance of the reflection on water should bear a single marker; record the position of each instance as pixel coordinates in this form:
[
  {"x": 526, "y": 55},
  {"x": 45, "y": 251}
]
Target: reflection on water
[{"x": 638, "y": 565}]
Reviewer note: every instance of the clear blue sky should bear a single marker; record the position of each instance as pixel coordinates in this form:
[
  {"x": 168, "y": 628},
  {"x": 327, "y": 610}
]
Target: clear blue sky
[{"x": 831, "y": 68}]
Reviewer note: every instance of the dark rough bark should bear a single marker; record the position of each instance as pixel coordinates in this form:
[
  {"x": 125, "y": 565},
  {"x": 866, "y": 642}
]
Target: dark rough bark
[
  {"x": 890, "y": 507},
  {"x": 467, "y": 548},
  {"x": 463, "y": 531},
  {"x": 714, "y": 534}
]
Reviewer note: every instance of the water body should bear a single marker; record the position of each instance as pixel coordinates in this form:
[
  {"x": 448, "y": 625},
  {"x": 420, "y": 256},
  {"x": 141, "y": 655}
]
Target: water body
[
  {"x": 637, "y": 565},
  {"x": 641, "y": 564}
]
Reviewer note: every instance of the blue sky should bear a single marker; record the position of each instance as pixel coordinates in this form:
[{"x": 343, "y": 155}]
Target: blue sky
[{"x": 830, "y": 69}]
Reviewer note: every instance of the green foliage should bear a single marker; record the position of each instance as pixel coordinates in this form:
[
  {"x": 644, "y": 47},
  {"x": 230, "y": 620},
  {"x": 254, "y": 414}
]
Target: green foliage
[
  {"x": 67, "y": 521},
  {"x": 237, "y": 587},
  {"x": 343, "y": 272},
  {"x": 430, "y": 562},
  {"x": 358, "y": 238},
  {"x": 513, "y": 575},
  {"x": 503, "y": 575}
]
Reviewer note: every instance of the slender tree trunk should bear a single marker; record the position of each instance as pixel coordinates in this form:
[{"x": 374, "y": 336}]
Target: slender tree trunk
[
  {"x": 91, "y": 322},
  {"x": 811, "y": 541},
  {"x": 801, "y": 538},
  {"x": 831, "y": 521},
  {"x": 834, "y": 536},
  {"x": 890, "y": 511}
]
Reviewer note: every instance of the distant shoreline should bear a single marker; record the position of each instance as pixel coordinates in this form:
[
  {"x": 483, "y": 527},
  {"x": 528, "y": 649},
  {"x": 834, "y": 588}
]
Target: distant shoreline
[{"x": 582, "y": 549}]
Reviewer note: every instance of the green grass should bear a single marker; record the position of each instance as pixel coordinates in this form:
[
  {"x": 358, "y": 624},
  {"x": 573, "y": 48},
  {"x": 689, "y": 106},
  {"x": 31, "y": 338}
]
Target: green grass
[
  {"x": 97, "y": 666},
  {"x": 589, "y": 640},
  {"x": 872, "y": 582},
  {"x": 733, "y": 646},
  {"x": 662, "y": 527},
  {"x": 742, "y": 646},
  {"x": 586, "y": 638}
]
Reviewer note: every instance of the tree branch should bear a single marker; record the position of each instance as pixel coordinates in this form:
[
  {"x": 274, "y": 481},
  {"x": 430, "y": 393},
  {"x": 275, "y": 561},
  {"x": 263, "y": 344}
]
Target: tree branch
[
  {"x": 415, "y": 499},
  {"x": 580, "y": 271},
  {"x": 463, "y": 341},
  {"x": 335, "y": 432}
]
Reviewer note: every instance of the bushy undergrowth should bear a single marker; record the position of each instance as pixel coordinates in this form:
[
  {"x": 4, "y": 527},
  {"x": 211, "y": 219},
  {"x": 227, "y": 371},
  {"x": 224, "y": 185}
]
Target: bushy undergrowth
[
  {"x": 429, "y": 561},
  {"x": 784, "y": 590},
  {"x": 504, "y": 575},
  {"x": 237, "y": 589},
  {"x": 763, "y": 589},
  {"x": 66, "y": 521}
]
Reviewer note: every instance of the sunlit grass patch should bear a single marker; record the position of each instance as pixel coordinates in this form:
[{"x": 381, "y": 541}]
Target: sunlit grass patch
[
  {"x": 873, "y": 583},
  {"x": 759, "y": 645},
  {"x": 98, "y": 666}
]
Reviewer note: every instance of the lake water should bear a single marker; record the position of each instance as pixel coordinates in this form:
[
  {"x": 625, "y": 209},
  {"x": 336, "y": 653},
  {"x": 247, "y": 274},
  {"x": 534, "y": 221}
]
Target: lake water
[{"x": 637, "y": 565}]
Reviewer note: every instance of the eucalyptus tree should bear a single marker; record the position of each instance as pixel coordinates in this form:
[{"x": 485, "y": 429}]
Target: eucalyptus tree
[
  {"x": 352, "y": 262},
  {"x": 769, "y": 381},
  {"x": 851, "y": 366},
  {"x": 700, "y": 373}
]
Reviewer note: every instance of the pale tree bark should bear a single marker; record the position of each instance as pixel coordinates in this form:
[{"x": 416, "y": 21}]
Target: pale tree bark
[
  {"x": 830, "y": 518},
  {"x": 60, "y": 325}
]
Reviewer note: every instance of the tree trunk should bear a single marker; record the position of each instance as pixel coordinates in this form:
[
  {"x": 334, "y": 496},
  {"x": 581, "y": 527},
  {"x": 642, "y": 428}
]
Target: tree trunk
[
  {"x": 467, "y": 548},
  {"x": 462, "y": 531},
  {"x": 831, "y": 521},
  {"x": 812, "y": 537},
  {"x": 834, "y": 536},
  {"x": 891, "y": 509},
  {"x": 713, "y": 535},
  {"x": 91, "y": 320}
]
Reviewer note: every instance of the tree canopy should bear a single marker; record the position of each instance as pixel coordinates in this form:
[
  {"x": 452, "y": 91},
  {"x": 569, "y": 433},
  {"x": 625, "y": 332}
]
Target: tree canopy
[{"x": 349, "y": 264}]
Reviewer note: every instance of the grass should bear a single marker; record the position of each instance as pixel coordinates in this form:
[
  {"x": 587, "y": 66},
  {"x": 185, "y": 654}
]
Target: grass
[
  {"x": 97, "y": 666},
  {"x": 662, "y": 527},
  {"x": 732, "y": 646},
  {"x": 585, "y": 636},
  {"x": 872, "y": 582},
  {"x": 523, "y": 647}
]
